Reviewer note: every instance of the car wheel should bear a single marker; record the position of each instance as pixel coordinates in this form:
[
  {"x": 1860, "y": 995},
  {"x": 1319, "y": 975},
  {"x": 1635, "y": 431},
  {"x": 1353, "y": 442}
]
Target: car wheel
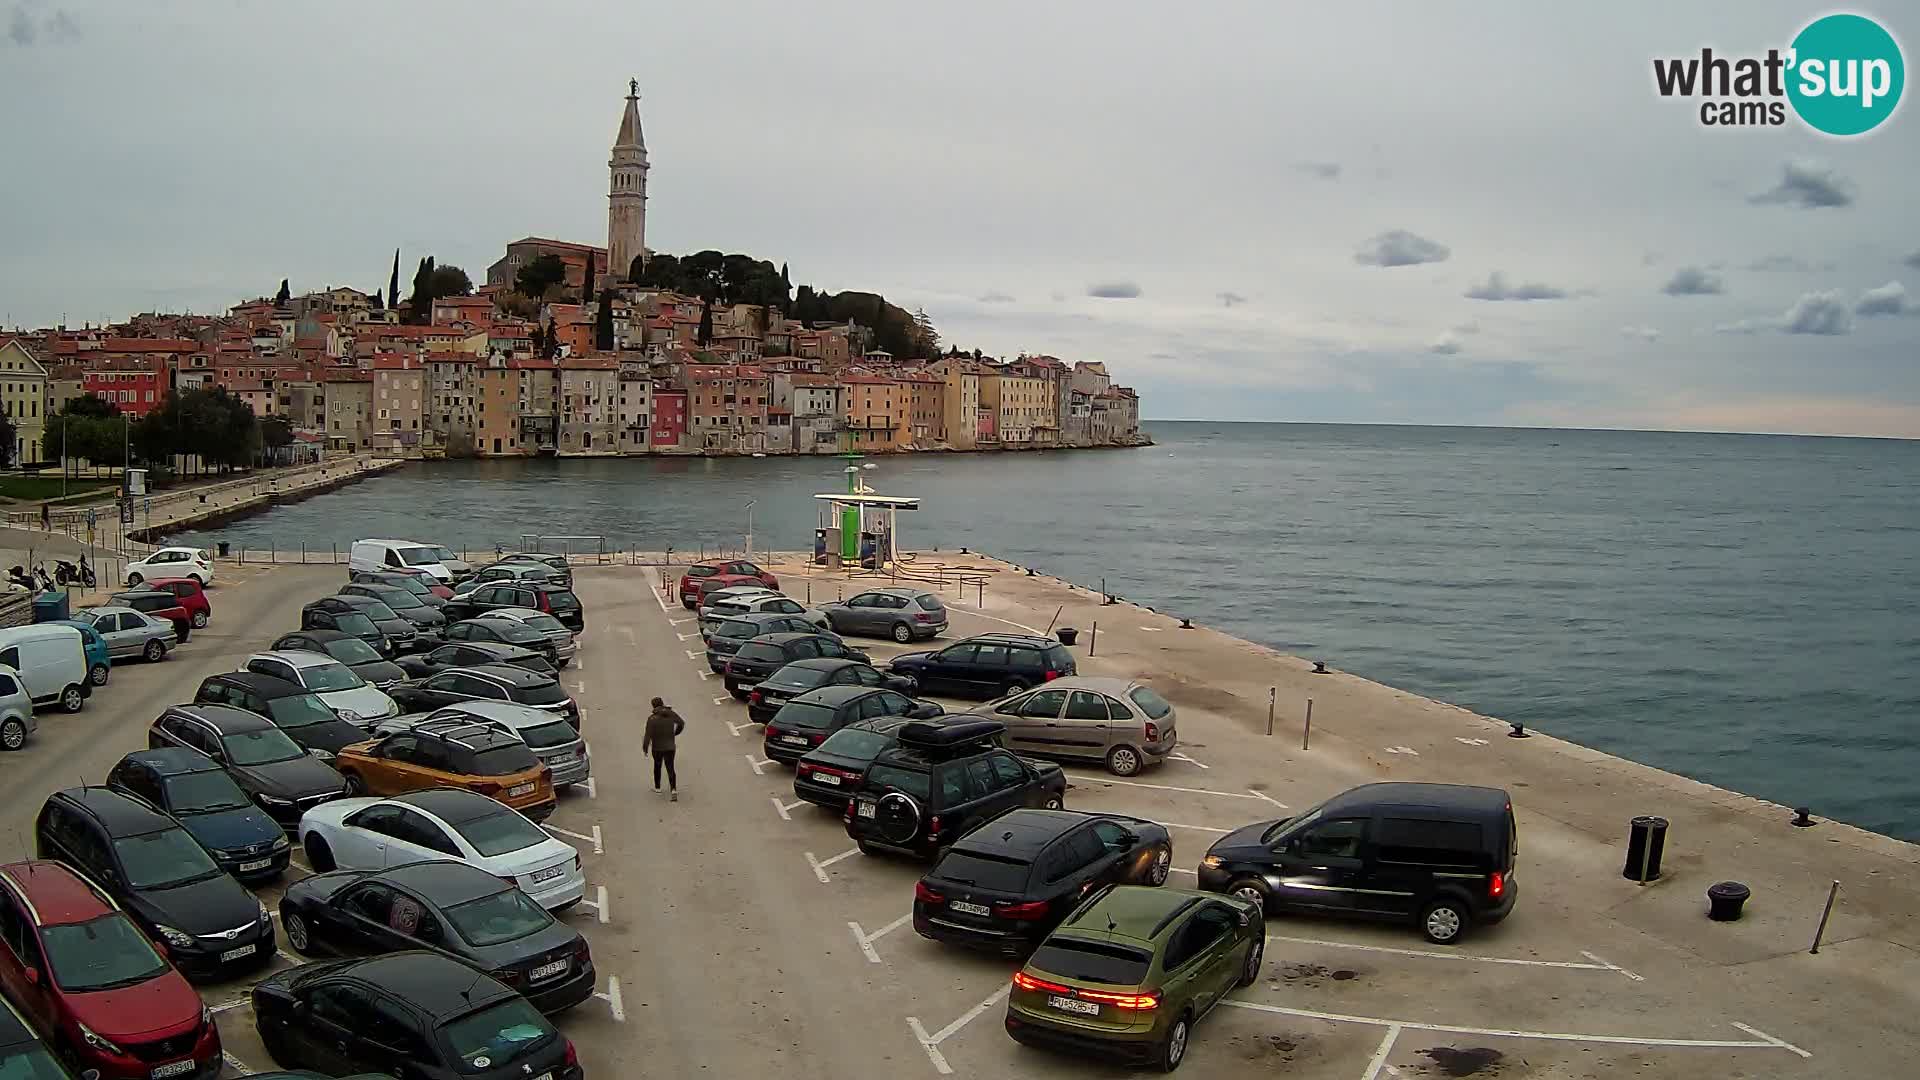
[
  {"x": 135, "y": 578},
  {"x": 297, "y": 935},
  {"x": 1173, "y": 1049},
  {"x": 1013, "y": 686},
  {"x": 1445, "y": 920},
  {"x": 319, "y": 855},
  {"x": 356, "y": 787},
  {"x": 1250, "y": 973},
  {"x": 201, "y": 578},
  {"x": 902, "y": 633},
  {"x": 1250, "y": 890},
  {"x": 1123, "y": 761},
  {"x": 199, "y": 620},
  {"x": 99, "y": 674},
  {"x": 72, "y": 698},
  {"x": 1160, "y": 867},
  {"x": 1054, "y": 802},
  {"x": 155, "y": 650},
  {"x": 13, "y": 733}
]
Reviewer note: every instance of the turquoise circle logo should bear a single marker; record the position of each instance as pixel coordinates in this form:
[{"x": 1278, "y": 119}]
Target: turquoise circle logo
[{"x": 1847, "y": 75}]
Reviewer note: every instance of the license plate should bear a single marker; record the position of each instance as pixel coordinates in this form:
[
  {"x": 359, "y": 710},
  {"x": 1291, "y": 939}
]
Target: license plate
[
  {"x": 970, "y": 909},
  {"x": 1074, "y": 1005},
  {"x": 543, "y": 1076},
  {"x": 826, "y": 778},
  {"x": 548, "y": 971},
  {"x": 866, "y": 809},
  {"x": 562, "y": 759},
  {"x": 178, "y": 1068},
  {"x": 548, "y": 874},
  {"x": 794, "y": 740},
  {"x": 256, "y": 864},
  {"x": 235, "y": 954},
  {"x": 521, "y": 789}
]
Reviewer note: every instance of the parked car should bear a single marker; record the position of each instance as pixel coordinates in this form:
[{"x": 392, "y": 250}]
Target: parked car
[
  {"x": 16, "y": 711},
  {"x": 451, "y": 753},
  {"x": 722, "y": 593},
  {"x": 805, "y": 722},
  {"x": 1005, "y": 888},
  {"x": 129, "y": 633},
  {"x": 555, "y": 742},
  {"x": 508, "y": 573},
  {"x": 900, "y": 613},
  {"x": 503, "y": 631},
  {"x": 760, "y": 657},
  {"x": 559, "y": 563},
  {"x": 757, "y": 603},
  {"x": 987, "y": 665},
  {"x": 444, "y": 823},
  {"x": 400, "y": 555},
  {"x": 344, "y": 691},
  {"x": 938, "y": 782},
  {"x": 423, "y": 586},
  {"x": 193, "y": 598},
  {"x": 349, "y": 649},
  {"x": 565, "y": 647},
  {"x": 406, "y": 632},
  {"x": 826, "y": 774},
  {"x": 333, "y": 613},
  {"x": 159, "y": 604},
  {"x": 454, "y": 909},
  {"x": 291, "y": 707},
  {"x": 790, "y": 681},
  {"x": 718, "y": 574},
  {"x": 195, "y": 791},
  {"x": 210, "y": 924},
  {"x": 1438, "y": 855},
  {"x": 99, "y": 653},
  {"x": 729, "y": 634},
  {"x": 109, "y": 1000},
  {"x": 496, "y": 682},
  {"x": 171, "y": 562},
  {"x": 51, "y": 661},
  {"x": 417, "y": 1013},
  {"x": 552, "y": 600},
  {"x": 453, "y": 563},
  {"x": 285, "y": 779},
  {"x": 426, "y": 618},
  {"x": 1121, "y": 722},
  {"x": 1131, "y": 972},
  {"x": 459, "y": 654},
  {"x": 396, "y": 635}
]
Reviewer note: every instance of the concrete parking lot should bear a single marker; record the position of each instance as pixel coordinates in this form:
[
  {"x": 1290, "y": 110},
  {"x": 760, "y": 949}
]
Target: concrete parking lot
[{"x": 739, "y": 933}]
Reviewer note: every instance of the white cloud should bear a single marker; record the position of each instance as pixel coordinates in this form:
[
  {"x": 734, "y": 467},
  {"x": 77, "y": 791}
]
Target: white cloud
[
  {"x": 1818, "y": 313},
  {"x": 1398, "y": 247},
  {"x": 1445, "y": 345},
  {"x": 1496, "y": 288},
  {"x": 1114, "y": 290},
  {"x": 1693, "y": 281},
  {"x": 1888, "y": 299},
  {"x": 1808, "y": 185}
]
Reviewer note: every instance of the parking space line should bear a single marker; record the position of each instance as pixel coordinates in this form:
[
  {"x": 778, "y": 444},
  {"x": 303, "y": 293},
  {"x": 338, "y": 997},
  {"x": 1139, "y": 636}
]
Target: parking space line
[
  {"x": 785, "y": 808},
  {"x": 1249, "y": 794},
  {"x": 866, "y": 940},
  {"x": 1763, "y": 1040},
  {"x": 598, "y": 905},
  {"x": 757, "y": 764},
  {"x": 1612, "y": 967},
  {"x": 1183, "y": 870},
  {"x": 1188, "y": 760},
  {"x": 704, "y": 674},
  {"x": 1195, "y": 828},
  {"x": 612, "y": 998},
  {"x": 593, "y": 838},
  {"x": 1428, "y": 954},
  {"x": 1380, "y": 1056},
  {"x": 228, "y": 1006},
  {"x": 660, "y": 599},
  {"x": 679, "y": 622},
  {"x": 235, "y": 1064},
  {"x": 931, "y": 1043},
  {"x": 592, "y": 791},
  {"x": 723, "y": 701},
  {"x": 684, "y": 637},
  {"x": 737, "y": 728},
  {"x": 820, "y": 866},
  {"x": 691, "y": 655}
]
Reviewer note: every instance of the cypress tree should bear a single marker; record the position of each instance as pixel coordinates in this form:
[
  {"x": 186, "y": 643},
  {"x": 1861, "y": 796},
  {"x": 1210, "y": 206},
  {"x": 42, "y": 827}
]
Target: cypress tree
[
  {"x": 586, "y": 290},
  {"x": 706, "y": 322},
  {"x": 393, "y": 282},
  {"x": 603, "y": 323},
  {"x": 284, "y": 294}
]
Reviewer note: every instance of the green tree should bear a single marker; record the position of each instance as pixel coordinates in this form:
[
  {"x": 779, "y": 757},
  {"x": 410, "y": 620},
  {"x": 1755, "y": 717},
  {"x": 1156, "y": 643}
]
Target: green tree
[
  {"x": 450, "y": 280},
  {"x": 553, "y": 341},
  {"x": 543, "y": 273},
  {"x": 417, "y": 312},
  {"x": 603, "y": 323},
  {"x": 706, "y": 323},
  {"x": 393, "y": 282},
  {"x": 276, "y": 434},
  {"x": 586, "y": 287},
  {"x": 280, "y": 299},
  {"x": 7, "y": 437},
  {"x": 516, "y": 303}
]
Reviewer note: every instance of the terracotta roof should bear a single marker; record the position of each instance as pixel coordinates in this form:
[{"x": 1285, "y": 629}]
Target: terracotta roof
[
  {"x": 589, "y": 363},
  {"x": 346, "y": 375},
  {"x": 395, "y": 363},
  {"x": 815, "y": 380},
  {"x": 853, "y": 378},
  {"x": 150, "y": 345},
  {"x": 560, "y": 244}
]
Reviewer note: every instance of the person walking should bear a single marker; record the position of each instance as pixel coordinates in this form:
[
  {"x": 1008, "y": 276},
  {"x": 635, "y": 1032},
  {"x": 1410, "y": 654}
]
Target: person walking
[{"x": 663, "y": 725}]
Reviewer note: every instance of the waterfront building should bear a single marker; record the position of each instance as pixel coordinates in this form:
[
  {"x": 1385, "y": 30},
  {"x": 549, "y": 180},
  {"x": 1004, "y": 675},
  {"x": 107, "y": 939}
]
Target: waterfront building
[
  {"x": 726, "y": 406},
  {"x": 539, "y": 408},
  {"x": 348, "y": 405},
  {"x": 497, "y": 407},
  {"x": 589, "y": 418},
  {"x": 23, "y": 394},
  {"x": 636, "y": 407},
  {"x": 877, "y": 408},
  {"x": 819, "y": 413},
  {"x": 668, "y": 424},
  {"x": 399, "y": 404}
]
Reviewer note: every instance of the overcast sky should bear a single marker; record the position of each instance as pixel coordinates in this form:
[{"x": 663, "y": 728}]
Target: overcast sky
[{"x": 1376, "y": 213}]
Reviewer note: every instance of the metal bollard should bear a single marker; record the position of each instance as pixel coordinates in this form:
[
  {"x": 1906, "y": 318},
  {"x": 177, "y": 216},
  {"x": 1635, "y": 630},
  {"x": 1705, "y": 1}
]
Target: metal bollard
[
  {"x": 1093, "y": 641},
  {"x": 1833, "y": 891},
  {"x": 1306, "y": 733}
]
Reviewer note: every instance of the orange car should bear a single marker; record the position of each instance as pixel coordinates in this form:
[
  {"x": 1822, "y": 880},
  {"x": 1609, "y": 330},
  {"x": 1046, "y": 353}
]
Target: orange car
[{"x": 450, "y": 752}]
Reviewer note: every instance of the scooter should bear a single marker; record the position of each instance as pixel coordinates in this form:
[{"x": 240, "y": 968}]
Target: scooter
[
  {"x": 46, "y": 579},
  {"x": 18, "y": 578},
  {"x": 66, "y": 573}
]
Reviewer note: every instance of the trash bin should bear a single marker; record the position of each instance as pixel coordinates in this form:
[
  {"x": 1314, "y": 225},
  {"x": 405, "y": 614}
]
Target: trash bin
[
  {"x": 1067, "y": 635},
  {"x": 1646, "y": 842},
  {"x": 1725, "y": 899},
  {"x": 225, "y": 549},
  {"x": 50, "y": 606}
]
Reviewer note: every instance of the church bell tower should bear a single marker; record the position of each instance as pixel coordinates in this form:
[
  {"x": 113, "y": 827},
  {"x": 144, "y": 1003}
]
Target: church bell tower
[{"x": 627, "y": 191}]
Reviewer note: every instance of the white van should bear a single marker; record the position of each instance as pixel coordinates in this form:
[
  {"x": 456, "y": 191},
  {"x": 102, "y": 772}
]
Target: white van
[
  {"x": 400, "y": 555},
  {"x": 52, "y": 662}
]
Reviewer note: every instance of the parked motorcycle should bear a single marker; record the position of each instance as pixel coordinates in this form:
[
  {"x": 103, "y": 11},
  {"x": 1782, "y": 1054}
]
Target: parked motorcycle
[
  {"x": 66, "y": 573},
  {"x": 45, "y": 579},
  {"x": 18, "y": 578}
]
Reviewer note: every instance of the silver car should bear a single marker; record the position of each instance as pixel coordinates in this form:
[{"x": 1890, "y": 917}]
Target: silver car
[
  {"x": 16, "y": 710},
  {"x": 552, "y": 739},
  {"x": 565, "y": 647},
  {"x": 1118, "y": 721},
  {"x": 128, "y": 633},
  {"x": 509, "y": 573},
  {"x": 769, "y": 602},
  {"x": 902, "y": 614}
]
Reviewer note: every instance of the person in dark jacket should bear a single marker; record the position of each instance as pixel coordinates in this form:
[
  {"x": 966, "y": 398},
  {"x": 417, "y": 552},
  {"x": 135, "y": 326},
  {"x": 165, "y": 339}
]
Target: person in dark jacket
[{"x": 663, "y": 725}]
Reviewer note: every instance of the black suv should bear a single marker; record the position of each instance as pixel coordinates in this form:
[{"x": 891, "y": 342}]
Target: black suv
[
  {"x": 495, "y": 682},
  {"x": 551, "y": 599},
  {"x": 506, "y": 632},
  {"x": 369, "y": 620},
  {"x": 364, "y": 659},
  {"x": 768, "y": 653},
  {"x": 293, "y": 709},
  {"x": 283, "y": 778},
  {"x": 459, "y": 654},
  {"x": 807, "y": 720},
  {"x": 199, "y": 794},
  {"x": 1004, "y": 889},
  {"x": 987, "y": 666},
  {"x": 1439, "y": 855},
  {"x": 161, "y": 875},
  {"x": 409, "y": 605},
  {"x": 939, "y": 782}
]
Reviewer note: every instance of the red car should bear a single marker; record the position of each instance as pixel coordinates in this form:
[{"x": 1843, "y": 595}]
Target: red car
[
  {"x": 103, "y": 995},
  {"x": 193, "y": 597},
  {"x": 718, "y": 574}
]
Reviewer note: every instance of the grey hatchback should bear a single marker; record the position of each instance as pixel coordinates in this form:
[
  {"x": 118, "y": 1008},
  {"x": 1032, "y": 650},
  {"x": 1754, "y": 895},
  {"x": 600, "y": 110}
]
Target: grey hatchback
[
  {"x": 899, "y": 613},
  {"x": 1119, "y": 721}
]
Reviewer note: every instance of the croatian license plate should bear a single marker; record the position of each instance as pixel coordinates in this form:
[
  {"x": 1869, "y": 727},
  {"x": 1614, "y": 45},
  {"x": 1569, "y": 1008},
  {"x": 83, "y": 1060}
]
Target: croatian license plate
[
  {"x": 866, "y": 809},
  {"x": 236, "y": 954},
  {"x": 256, "y": 864},
  {"x": 178, "y": 1068},
  {"x": 793, "y": 740},
  {"x": 562, "y": 759},
  {"x": 548, "y": 971},
  {"x": 826, "y": 778},
  {"x": 543, "y": 1076},
  {"x": 970, "y": 909},
  {"x": 1074, "y": 1005},
  {"x": 521, "y": 789},
  {"x": 548, "y": 874}
]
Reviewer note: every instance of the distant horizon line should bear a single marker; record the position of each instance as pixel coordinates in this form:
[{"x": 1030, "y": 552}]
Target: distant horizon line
[{"x": 1532, "y": 427}]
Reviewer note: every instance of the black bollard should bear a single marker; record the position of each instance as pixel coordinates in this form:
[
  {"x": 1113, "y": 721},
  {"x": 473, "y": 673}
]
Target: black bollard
[
  {"x": 1320, "y": 667},
  {"x": 1725, "y": 899},
  {"x": 1802, "y": 818},
  {"x": 1519, "y": 731},
  {"x": 1646, "y": 842}
]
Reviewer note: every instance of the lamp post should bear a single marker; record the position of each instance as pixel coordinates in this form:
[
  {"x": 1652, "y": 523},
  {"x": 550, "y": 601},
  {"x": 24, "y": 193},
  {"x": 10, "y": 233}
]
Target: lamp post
[{"x": 750, "y": 503}]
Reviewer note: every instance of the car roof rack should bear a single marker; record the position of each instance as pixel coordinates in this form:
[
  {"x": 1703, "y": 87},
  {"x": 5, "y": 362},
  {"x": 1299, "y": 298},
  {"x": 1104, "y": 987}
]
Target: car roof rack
[{"x": 951, "y": 738}]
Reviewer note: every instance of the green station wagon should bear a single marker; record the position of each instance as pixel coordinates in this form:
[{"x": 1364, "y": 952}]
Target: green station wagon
[{"x": 1129, "y": 974}]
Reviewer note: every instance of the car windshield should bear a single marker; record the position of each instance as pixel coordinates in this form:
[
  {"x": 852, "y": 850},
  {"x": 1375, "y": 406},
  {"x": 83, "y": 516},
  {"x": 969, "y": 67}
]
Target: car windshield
[
  {"x": 754, "y": 650},
  {"x": 260, "y": 747},
  {"x": 546, "y": 624},
  {"x": 913, "y": 783},
  {"x": 503, "y": 760},
  {"x": 322, "y": 678},
  {"x": 99, "y": 954},
  {"x": 514, "y": 633},
  {"x": 160, "y": 860},
  {"x": 737, "y": 628},
  {"x": 203, "y": 792},
  {"x": 446, "y": 554},
  {"x": 563, "y": 600},
  {"x": 496, "y": 1035},
  {"x": 702, "y": 571},
  {"x": 355, "y": 623},
  {"x": 401, "y": 600},
  {"x": 804, "y": 715},
  {"x": 418, "y": 556},
  {"x": 1092, "y": 961},
  {"x": 793, "y": 676},
  {"x": 929, "y": 602},
  {"x": 30, "y": 1063},
  {"x": 500, "y": 832},
  {"x": 558, "y": 733},
  {"x": 984, "y": 871},
  {"x": 854, "y": 743},
  {"x": 413, "y": 583},
  {"x": 1284, "y": 829},
  {"x": 352, "y": 650},
  {"x": 545, "y": 692},
  {"x": 375, "y": 609},
  {"x": 505, "y": 916},
  {"x": 296, "y": 711},
  {"x": 1150, "y": 703}
]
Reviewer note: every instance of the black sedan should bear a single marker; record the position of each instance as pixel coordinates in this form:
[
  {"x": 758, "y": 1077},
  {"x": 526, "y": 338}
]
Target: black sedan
[
  {"x": 1004, "y": 887},
  {"x": 418, "y": 1014},
  {"x": 807, "y": 720},
  {"x": 349, "y": 649},
  {"x": 199, "y": 794},
  {"x": 825, "y": 774},
  {"x": 488, "y": 682},
  {"x": 459, "y": 654},
  {"x": 792, "y": 680},
  {"x": 505, "y": 632},
  {"x": 293, "y": 709},
  {"x": 768, "y": 653},
  {"x": 452, "y": 908},
  {"x": 284, "y": 779},
  {"x": 335, "y": 613}
]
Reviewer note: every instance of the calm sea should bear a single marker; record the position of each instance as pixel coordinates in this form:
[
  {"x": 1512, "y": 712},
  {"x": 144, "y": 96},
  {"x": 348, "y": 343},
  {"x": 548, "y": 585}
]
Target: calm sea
[{"x": 1740, "y": 609}]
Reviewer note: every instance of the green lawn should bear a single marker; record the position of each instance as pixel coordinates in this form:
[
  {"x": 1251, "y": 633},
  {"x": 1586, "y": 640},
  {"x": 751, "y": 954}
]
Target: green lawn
[{"x": 32, "y": 488}]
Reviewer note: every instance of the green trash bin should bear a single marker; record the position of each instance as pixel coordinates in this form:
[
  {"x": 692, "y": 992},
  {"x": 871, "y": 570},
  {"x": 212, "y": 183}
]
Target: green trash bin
[{"x": 50, "y": 606}]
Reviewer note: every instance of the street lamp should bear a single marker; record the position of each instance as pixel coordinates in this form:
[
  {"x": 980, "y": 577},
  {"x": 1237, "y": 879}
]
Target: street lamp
[{"x": 750, "y": 503}]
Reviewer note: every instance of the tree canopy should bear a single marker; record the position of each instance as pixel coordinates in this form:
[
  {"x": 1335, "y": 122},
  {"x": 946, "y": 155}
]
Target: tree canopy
[
  {"x": 536, "y": 277},
  {"x": 709, "y": 275}
]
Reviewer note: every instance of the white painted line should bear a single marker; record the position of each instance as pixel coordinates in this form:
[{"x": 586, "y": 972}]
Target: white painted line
[
  {"x": 723, "y": 701},
  {"x": 593, "y": 839},
  {"x": 1391, "y": 1071},
  {"x": 297, "y": 864},
  {"x": 786, "y": 809},
  {"x": 1428, "y": 954},
  {"x": 704, "y": 674},
  {"x": 1195, "y": 828},
  {"x": 1380, "y": 1056},
  {"x": 977, "y": 613},
  {"x": 820, "y": 865},
  {"x": 1403, "y": 750},
  {"x": 684, "y": 637},
  {"x": 931, "y": 1043},
  {"x": 691, "y": 655},
  {"x": 1545, "y": 1036},
  {"x": 1183, "y": 870},
  {"x": 1612, "y": 967},
  {"x": 598, "y": 903},
  {"x": 1250, "y": 794},
  {"x": 228, "y": 1006},
  {"x": 738, "y": 728},
  {"x": 612, "y": 998},
  {"x": 1267, "y": 798},
  {"x": 866, "y": 940},
  {"x": 1469, "y": 742},
  {"x": 628, "y": 632},
  {"x": 1153, "y": 629},
  {"x": 683, "y": 622},
  {"x": 1188, "y": 760},
  {"x": 235, "y": 1064},
  {"x": 660, "y": 599},
  {"x": 592, "y": 791},
  {"x": 1781, "y": 1043},
  {"x": 757, "y": 764}
]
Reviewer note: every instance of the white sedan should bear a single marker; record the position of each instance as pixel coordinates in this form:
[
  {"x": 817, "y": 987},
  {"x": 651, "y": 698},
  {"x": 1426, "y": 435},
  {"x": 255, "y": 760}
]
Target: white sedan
[
  {"x": 448, "y": 824},
  {"x": 172, "y": 562}
]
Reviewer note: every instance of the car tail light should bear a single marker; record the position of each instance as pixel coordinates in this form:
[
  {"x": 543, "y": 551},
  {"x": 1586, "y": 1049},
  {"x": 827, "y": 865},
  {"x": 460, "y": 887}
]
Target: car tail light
[
  {"x": 753, "y": 697},
  {"x": 1148, "y": 1000},
  {"x": 573, "y": 1056},
  {"x": 1027, "y": 982},
  {"x": 933, "y": 829},
  {"x": 921, "y": 616},
  {"x": 773, "y": 732},
  {"x": 1035, "y": 910},
  {"x": 582, "y": 951},
  {"x": 802, "y": 769},
  {"x": 1496, "y": 885},
  {"x": 816, "y": 739},
  {"x": 1153, "y": 732},
  {"x": 848, "y": 818},
  {"x": 926, "y": 895},
  {"x": 508, "y": 976},
  {"x": 1052, "y": 674}
]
